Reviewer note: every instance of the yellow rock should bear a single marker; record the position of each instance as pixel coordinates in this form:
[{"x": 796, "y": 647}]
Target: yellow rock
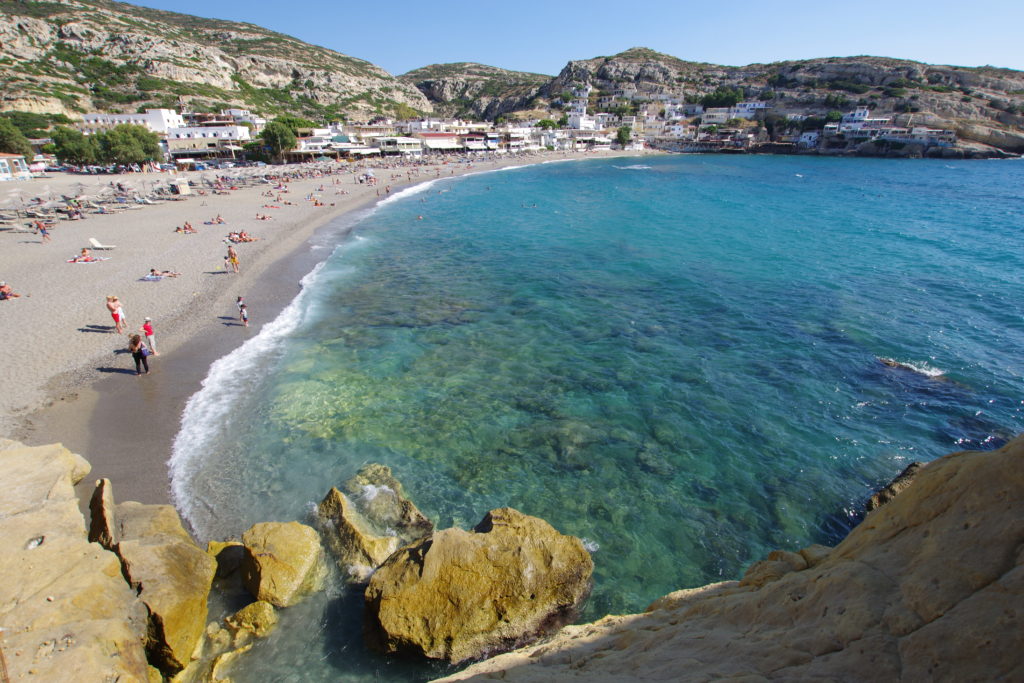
[
  {"x": 255, "y": 620},
  {"x": 457, "y": 594},
  {"x": 283, "y": 562}
]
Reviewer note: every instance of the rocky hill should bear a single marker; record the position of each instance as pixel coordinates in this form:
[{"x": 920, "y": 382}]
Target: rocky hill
[
  {"x": 74, "y": 56},
  {"x": 984, "y": 104},
  {"x": 478, "y": 91}
]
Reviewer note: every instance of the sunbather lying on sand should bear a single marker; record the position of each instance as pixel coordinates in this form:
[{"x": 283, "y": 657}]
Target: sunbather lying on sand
[{"x": 154, "y": 274}]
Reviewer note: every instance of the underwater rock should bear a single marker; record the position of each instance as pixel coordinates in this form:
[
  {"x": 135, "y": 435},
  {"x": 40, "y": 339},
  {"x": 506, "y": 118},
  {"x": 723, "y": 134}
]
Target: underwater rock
[
  {"x": 255, "y": 620},
  {"x": 283, "y": 562},
  {"x": 894, "y": 487},
  {"x": 365, "y": 527},
  {"x": 458, "y": 595},
  {"x": 382, "y": 500}
]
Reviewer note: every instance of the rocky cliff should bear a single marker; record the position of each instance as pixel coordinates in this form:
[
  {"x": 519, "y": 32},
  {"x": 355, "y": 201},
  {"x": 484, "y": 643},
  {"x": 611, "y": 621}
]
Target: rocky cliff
[
  {"x": 930, "y": 586},
  {"x": 983, "y": 104},
  {"x": 476, "y": 91},
  {"x": 74, "y": 56}
]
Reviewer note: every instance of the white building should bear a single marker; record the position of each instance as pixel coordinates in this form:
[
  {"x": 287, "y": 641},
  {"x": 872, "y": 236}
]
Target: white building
[
  {"x": 156, "y": 120},
  {"x": 208, "y": 139},
  {"x": 582, "y": 121},
  {"x": 245, "y": 116},
  {"x": 403, "y": 146},
  {"x": 716, "y": 116},
  {"x": 808, "y": 139},
  {"x": 747, "y": 110},
  {"x": 13, "y": 167}
]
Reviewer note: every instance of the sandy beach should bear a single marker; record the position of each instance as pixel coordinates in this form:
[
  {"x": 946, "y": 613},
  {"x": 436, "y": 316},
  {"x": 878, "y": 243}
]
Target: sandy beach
[{"x": 68, "y": 375}]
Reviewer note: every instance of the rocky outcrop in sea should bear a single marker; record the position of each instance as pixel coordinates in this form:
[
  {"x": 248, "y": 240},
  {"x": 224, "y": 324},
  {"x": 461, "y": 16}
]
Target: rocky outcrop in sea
[{"x": 930, "y": 586}]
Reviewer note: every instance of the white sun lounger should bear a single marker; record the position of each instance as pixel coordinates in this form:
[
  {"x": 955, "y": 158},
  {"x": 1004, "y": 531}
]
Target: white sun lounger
[{"x": 97, "y": 245}]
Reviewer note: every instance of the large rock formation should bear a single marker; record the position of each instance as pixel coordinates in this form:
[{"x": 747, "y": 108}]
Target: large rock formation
[
  {"x": 171, "y": 575},
  {"x": 475, "y": 90},
  {"x": 63, "y": 602},
  {"x": 283, "y": 562},
  {"x": 929, "y": 586},
  {"x": 364, "y": 527},
  {"x": 89, "y": 55},
  {"x": 459, "y": 595}
]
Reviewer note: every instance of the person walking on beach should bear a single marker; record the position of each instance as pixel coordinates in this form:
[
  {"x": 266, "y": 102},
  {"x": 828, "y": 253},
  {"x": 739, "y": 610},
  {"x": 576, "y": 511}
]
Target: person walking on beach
[
  {"x": 243, "y": 314},
  {"x": 116, "y": 312},
  {"x": 147, "y": 329},
  {"x": 233, "y": 258},
  {"x": 139, "y": 353}
]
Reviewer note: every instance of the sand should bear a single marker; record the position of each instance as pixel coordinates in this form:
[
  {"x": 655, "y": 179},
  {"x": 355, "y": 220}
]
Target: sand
[{"x": 67, "y": 376}]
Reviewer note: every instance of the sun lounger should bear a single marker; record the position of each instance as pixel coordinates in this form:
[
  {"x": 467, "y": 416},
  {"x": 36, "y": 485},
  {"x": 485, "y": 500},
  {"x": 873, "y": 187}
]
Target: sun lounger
[{"x": 97, "y": 245}]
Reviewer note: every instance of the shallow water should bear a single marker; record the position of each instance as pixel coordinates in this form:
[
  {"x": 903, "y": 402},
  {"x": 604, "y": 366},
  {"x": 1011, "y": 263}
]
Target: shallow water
[{"x": 677, "y": 360}]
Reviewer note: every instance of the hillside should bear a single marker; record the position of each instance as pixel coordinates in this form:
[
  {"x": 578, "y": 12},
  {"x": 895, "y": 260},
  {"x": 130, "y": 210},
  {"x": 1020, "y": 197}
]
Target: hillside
[
  {"x": 984, "y": 104},
  {"x": 75, "y": 56},
  {"x": 475, "y": 90}
]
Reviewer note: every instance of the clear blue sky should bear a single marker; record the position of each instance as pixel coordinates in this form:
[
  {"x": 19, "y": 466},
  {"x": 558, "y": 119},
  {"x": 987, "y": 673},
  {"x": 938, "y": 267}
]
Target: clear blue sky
[{"x": 542, "y": 36}]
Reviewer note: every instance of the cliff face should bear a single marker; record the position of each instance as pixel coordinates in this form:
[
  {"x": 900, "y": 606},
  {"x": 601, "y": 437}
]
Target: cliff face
[
  {"x": 475, "y": 90},
  {"x": 97, "y": 55},
  {"x": 928, "y": 587}
]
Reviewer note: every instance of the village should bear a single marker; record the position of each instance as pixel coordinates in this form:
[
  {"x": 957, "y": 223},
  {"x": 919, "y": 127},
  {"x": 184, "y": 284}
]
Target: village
[{"x": 590, "y": 121}]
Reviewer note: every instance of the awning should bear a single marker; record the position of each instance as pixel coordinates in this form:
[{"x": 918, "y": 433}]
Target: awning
[
  {"x": 441, "y": 144},
  {"x": 476, "y": 145}
]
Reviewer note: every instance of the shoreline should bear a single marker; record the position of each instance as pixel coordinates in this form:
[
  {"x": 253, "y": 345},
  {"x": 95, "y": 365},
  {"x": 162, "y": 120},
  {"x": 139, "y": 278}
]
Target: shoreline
[{"x": 121, "y": 422}]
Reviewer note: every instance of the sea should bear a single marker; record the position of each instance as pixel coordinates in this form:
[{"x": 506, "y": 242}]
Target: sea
[{"x": 687, "y": 361}]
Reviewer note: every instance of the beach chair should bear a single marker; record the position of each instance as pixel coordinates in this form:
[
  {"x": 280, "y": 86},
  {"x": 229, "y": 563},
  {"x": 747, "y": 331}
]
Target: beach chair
[{"x": 97, "y": 245}]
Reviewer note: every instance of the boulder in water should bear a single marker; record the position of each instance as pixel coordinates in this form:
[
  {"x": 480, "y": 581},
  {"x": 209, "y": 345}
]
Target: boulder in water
[
  {"x": 459, "y": 595},
  {"x": 283, "y": 562},
  {"x": 366, "y": 526}
]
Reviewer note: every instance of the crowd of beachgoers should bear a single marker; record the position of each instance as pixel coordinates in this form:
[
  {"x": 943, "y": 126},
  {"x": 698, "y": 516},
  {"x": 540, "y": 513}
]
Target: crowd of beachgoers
[{"x": 84, "y": 250}]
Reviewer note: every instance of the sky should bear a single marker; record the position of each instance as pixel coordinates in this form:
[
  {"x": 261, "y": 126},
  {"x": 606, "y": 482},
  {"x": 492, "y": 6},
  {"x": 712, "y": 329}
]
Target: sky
[{"x": 542, "y": 36}]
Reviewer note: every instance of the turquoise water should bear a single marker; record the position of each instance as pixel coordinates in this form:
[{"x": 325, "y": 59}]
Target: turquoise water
[{"x": 674, "y": 358}]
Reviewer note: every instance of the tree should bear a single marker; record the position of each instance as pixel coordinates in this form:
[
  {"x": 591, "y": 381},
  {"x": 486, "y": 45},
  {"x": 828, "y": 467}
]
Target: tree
[
  {"x": 279, "y": 137},
  {"x": 404, "y": 112},
  {"x": 128, "y": 143},
  {"x": 722, "y": 97},
  {"x": 294, "y": 123},
  {"x": 623, "y": 135},
  {"x": 834, "y": 116},
  {"x": 13, "y": 141},
  {"x": 73, "y": 147},
  {"x": 547, "y": 124},
  {"x": 564, "y": 121}
]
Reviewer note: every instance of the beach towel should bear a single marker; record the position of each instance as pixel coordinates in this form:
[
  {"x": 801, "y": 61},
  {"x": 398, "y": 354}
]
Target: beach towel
[
  {"x": 151, "y": 278},
  {"x": 94, "y": 259}
]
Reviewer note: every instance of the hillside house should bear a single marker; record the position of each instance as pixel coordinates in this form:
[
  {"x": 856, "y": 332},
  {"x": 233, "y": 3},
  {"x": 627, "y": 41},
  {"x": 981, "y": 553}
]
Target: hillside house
[{"x": 156, "y": 120}]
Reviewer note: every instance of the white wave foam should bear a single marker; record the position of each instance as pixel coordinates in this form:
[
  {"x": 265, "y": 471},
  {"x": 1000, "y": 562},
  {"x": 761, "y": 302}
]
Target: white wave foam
[
  {"x": 590, "y": 546},
  {"x": 409, "y": 191},
  {"x": 633, "y": 167},
  {"x": 229, "y": 377},
  {"x": 920, "y": 367}
]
